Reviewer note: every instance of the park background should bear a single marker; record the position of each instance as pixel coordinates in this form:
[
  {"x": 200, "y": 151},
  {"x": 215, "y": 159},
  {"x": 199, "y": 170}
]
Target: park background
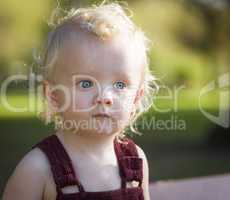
[{"x": 190, "y": 48}]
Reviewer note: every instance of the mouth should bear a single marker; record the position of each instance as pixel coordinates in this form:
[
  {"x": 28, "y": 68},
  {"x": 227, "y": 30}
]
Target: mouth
[{"x": 103, "y": 115}]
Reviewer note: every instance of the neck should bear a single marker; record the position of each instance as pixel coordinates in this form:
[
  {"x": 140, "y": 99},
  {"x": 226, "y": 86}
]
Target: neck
[{"x": 87, "y": 142}]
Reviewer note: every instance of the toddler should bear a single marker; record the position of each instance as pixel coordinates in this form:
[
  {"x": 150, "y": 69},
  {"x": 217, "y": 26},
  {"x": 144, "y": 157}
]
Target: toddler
[{"x": 96, "y": 83}]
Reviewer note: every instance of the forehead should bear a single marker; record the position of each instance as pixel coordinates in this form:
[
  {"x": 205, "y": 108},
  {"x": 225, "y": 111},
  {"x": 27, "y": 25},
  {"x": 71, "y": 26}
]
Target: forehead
[{"x": 88, "y": 55}]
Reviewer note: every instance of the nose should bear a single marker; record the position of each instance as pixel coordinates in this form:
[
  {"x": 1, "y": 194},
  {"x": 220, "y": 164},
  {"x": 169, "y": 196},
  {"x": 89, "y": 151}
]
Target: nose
[
  {"x": 105, "y": 101},
  {"x": 105, "y": 96}
]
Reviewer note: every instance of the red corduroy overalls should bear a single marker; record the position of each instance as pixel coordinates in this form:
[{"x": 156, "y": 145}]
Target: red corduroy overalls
[{"x": 130, "y": 167}]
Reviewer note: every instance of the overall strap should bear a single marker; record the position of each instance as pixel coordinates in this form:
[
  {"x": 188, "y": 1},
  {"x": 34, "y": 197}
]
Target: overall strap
[
  {"x": 131, "y": 166},
  {"x": 61, "y": 165}
]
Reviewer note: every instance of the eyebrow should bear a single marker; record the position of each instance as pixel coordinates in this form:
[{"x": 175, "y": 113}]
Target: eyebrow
[
  {"x": 126, "y": 76},
  {"x": 80, "y": 74},
  {"x": 123, "y": 76}
]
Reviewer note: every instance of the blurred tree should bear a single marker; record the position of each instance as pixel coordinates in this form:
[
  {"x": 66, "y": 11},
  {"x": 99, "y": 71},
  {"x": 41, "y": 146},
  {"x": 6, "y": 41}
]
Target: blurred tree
[
  {"x": 215, "y": 41},
  {"x": 183, "y": 38},
  {"x": 20, "y": 31},
  {"x": 167, "y": 23}
]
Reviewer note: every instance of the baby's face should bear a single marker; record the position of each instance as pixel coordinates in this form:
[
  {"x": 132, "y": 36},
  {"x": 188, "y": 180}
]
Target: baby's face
[{"x": 101, "y": 77}]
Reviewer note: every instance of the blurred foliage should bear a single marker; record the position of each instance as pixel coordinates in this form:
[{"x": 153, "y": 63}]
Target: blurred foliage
[
  {"x": 184, "y": 45},
  {"x": 190, "y": 47},
  {"x": 20, "y": 31},
  {"x": 190, "y": 38}
]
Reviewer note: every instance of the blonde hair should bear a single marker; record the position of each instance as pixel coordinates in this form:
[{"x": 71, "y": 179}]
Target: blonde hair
[{"x": 105, "y": 20}]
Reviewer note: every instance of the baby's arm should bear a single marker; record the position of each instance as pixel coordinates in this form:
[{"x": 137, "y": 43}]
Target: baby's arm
[
  {"x": 28, "y": 179},
  {"x": 145, "y": 183}
]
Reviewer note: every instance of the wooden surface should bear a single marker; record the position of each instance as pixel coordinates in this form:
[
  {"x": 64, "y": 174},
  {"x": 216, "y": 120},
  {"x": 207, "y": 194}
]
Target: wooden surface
[{"x": 204, "y": 188}]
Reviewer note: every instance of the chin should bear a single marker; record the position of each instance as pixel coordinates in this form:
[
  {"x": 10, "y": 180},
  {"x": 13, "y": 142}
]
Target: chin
[{"x": 105, "y": 130}]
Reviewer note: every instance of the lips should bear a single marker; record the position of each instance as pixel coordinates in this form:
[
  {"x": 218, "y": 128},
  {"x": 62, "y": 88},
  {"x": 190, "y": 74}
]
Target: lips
[{"x": 101, "y": 115}]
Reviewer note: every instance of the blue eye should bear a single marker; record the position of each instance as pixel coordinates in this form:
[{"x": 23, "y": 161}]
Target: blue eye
[
  {"x": 119, "y": 85},
  {"x": 86, "y": 84}
]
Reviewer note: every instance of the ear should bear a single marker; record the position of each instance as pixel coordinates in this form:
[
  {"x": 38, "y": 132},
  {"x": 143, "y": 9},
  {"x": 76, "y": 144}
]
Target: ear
[
  {"x": 49, "y": 94},
  {"x": 139, "y": 94}
]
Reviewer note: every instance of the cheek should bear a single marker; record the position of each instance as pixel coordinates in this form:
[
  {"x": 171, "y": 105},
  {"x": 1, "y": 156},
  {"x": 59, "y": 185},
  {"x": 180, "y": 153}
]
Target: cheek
[
  {"x": 125, "y": 104},
  {"x": 82, "y": 100},
  {"x": 80, "y": 106},
  {"x": 128, "y": 100}
]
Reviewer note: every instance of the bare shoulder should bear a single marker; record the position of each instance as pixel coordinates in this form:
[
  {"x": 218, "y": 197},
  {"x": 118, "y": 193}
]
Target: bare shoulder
[
  {"x": 33, "y": 161},
  {"x": 145, "y": 184},
  {"x": 141, "y": 153},
  {"x": 37, "y": 157},
  {"x": 28, "y": 178}
]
